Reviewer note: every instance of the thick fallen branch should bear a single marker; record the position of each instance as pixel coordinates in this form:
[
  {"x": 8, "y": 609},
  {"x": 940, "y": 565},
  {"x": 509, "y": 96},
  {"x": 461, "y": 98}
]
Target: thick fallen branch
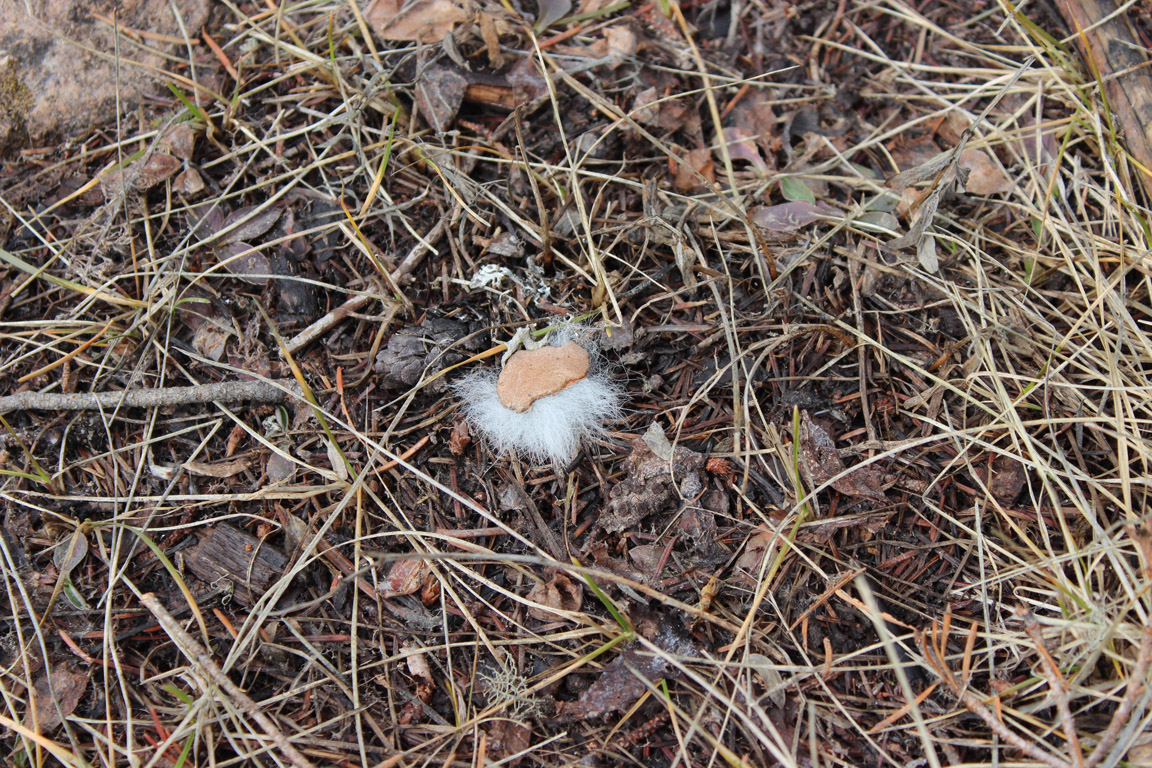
[{"x": 222, "y": 392}]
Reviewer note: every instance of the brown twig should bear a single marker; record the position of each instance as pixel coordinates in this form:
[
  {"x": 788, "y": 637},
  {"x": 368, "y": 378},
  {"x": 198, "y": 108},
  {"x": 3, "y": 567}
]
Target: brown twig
[
  {"x": 162, "y": 397},
  {"x": 354, "y": 304},
  {"x": 196, "y": 653}
]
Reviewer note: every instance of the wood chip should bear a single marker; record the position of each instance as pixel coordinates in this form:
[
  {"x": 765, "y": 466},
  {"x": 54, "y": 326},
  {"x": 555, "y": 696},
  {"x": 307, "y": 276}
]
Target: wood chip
[{"x": 535, "y": 373}]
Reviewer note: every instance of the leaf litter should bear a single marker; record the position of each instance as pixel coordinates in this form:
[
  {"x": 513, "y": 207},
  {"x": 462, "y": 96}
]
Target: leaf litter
[{"x": 374, "y": 197}]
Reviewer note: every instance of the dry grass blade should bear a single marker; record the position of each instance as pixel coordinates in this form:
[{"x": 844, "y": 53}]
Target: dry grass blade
[{"x": 860, "y": 505}]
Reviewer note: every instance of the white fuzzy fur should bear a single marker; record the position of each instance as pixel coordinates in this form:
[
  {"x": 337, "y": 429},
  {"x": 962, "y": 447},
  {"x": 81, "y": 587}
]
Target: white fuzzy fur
[{"x": 553, "y": 428}]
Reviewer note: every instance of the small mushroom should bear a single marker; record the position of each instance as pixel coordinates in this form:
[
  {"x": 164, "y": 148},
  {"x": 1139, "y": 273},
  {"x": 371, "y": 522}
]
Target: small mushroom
[
  {"x": 545, "y": 401},
  {"x": 531, "y": 374}
]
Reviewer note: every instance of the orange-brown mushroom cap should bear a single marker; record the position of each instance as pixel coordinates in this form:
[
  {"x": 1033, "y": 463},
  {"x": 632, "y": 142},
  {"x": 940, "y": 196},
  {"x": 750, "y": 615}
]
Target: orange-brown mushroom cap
[{"x": 531, "y": 374}]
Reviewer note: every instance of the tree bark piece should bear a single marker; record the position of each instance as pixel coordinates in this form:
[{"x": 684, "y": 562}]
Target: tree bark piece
[
  {"x": 241, "y": 563},
  {"x": 1122, "y": 62}
]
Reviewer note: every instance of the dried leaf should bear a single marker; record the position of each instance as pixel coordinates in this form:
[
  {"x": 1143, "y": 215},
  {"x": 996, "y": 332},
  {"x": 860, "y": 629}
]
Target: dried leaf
[
  {"x": 179, "y": 140},
  {"x": 527, "y": 82},
  {"x": 57, "y": 695},
  {"x": 336, "y": 460},
  {"x": 621, "y": 44},
  {"x": 459, "y": 439},
  {"x": 752, "y": 558},
  {"x": 630, "y": 674},
  {"x": 418, "y": 665},
  {"x": 69, "y": 553},
  {"x": 820, "y": 463},
  {"x": 698, "y": 160},
  {"x": 786, "y": 217},
  {"x": 188, "y": 182},
  {"x": 551, "y": 11},
  {"x": 423, "y": 21},
  {"x": 926, "y": 254},
  {"x": 139, "y": 177},
  {"x": 157, "y": 168},
  {"x": 645, "y": 109},
  {"x": 280, "y": 468},
  {"x": 882, "y": 221},
  {"x": 742, "y": 146},
  {"x": 647, "y": 557},
  {"x": 984, "y": 175},
  {"x": 774, "y": 683},
  {"x": 439, "y": 94},
  {"x": 559, "y": 593},
  {"x": 246, "y": 224},
  {"x": 245, "y": 261},
  {"x": 405, "y": 577},
  {"x": 211, "y": 341},
  {"x": 218, "y": 469}
]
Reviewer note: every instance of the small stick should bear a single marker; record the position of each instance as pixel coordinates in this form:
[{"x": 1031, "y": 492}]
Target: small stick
[
  {"x": 196, "y": 653},
  {"x": 276, "y": 391},
  {"x": 410, "y": 262},
  {"x": 314, "y": 330}
]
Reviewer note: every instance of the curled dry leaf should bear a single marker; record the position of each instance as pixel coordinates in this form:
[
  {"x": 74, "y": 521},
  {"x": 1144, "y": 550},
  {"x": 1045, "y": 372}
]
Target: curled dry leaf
[
  {"x": 246, "y": 224},
  {"x": 647, "y": 558},
  {"x": 696, "y": 161},
  {"x": 645, "y": 109},
  {"x": 211, "y": 340},
  {"x": 751, "y": 560},
  {"x": 418, "y": 665},
  {"x": 559, "y": 593},
  {"x": 280, "y": 469},
  {"x": 742, "y": 146},
  {"x": 621, "y": 44},
  {"x": 984, "y": 175},
  {"x": 219, "y": 469},
  {"x": 179, "y": 140},
  {"x": 551, "y": 11},
  {"x": 459, "y": 439},
  {"x": 439, "y": 94},
  {"x": 405, "y": 577},
  {"x": 188, "y": 182},
  {"x": 139, "y": 178}
]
